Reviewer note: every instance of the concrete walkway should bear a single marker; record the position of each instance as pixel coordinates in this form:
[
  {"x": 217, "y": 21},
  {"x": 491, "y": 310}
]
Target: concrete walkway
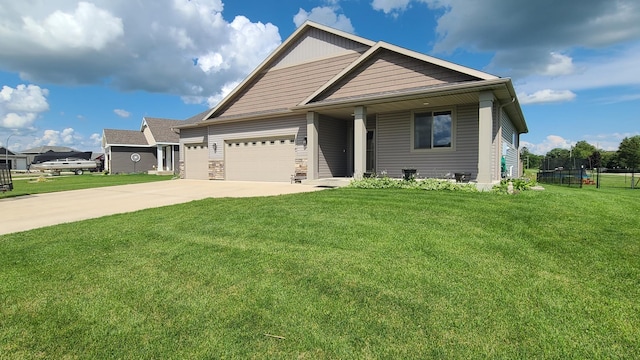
[{"x": 34, "y": 211}]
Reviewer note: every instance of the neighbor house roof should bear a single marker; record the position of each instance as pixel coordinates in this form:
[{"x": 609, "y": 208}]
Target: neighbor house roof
[
  {"x": 124, "y": 137},
  {"x": 44, "y": 149},
  {"x": 162, "y": 129},
  {"x": 4, "y": 151}
]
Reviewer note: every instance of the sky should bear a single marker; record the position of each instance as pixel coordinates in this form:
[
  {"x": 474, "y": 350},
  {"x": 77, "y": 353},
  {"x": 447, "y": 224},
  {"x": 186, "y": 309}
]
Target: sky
[{"x": 69, "y": 68}]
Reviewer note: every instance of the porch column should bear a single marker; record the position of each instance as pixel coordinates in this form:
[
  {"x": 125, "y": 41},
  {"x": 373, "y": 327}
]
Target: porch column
[
  {"x": 169, "y": 150},
  {"x": 312, "y": 145},
  {"x": 159, "y": 155},
  {"x": 359, "y": 141},
  {"x": 485, "y": 134}
]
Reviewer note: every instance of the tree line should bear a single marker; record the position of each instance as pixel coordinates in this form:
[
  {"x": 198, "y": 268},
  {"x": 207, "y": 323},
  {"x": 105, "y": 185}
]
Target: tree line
[{"x": 584, "y": 154}]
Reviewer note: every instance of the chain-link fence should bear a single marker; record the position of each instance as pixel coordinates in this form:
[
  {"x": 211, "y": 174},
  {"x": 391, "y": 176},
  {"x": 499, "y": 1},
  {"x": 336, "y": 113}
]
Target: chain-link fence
[
  {"x": 561, "y": 176},
  {"x": 600, "y": 178}
]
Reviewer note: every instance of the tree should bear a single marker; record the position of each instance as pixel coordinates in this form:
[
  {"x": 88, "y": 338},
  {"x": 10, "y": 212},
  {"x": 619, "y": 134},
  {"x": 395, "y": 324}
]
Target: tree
[
  {"x": 610, "y": 159},
  {"x": 530, "y": 160},
  {"x": 583, "y": 150},
  {"x": 629, "y": 154},
  {"x": 595, "y": 160},
  {"x": 558, "y": 153}
]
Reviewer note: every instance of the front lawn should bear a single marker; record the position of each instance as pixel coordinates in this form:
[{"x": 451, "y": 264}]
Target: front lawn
[
  {"x": 37, "y": 183},
  {"x": 345, "y": 273}
]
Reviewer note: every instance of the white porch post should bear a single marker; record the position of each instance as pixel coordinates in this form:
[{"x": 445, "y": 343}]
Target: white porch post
[
  {"x": 169, "y": 150},
  {"x": 485, "y": 134},
  {"x": 359, "y": 141},
  {"x": 160, "y": 152},
  {"x": 312, "y": 145},
  {"x": 173, "y": 159}
]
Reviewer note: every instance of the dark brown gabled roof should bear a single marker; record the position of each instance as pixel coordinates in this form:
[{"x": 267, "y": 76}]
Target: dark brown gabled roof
[
  {"x": 161, "y": 129},
  {"x": 124, "y": 137}
]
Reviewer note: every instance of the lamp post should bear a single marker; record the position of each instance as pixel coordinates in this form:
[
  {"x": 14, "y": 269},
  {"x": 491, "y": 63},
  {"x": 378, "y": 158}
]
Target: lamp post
[{"x": 6, "y": 152}]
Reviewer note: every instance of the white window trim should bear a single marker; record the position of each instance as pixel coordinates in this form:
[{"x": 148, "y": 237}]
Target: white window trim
[{"x": 454, "y": 121}]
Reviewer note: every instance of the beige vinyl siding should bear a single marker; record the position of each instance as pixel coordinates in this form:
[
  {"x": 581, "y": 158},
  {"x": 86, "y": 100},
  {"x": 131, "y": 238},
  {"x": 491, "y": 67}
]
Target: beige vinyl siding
[
  {"x": 291, "y": 126},
  {"x": 149, "y": 136},
  {"x": 393, "y": 152},
  {"x": 192, "y": 136},
  {"x": 317, "y": 44},
  {"x": 332, "y": 147},
  {"x": 389, "y": 71},
  {"x": 281, "y": 89}
]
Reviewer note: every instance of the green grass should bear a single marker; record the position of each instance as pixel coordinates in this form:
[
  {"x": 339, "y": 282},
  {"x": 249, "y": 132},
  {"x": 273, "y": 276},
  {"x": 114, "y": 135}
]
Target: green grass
[
  {"x": 31, "y": 185},
  {"x": 344, "y": 273}
]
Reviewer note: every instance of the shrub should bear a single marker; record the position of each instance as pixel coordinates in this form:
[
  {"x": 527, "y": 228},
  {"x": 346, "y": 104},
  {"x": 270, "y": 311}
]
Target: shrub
[
  {"x": 385, "y": 182},
  {"x": 520, "y": 184}
]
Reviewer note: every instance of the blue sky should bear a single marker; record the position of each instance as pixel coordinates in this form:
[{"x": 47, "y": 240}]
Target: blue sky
[{"x": 70, "y": 68}]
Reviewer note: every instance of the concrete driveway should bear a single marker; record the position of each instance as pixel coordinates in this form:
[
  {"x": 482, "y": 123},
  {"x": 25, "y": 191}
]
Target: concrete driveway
[{"x": 29, "y": 212}]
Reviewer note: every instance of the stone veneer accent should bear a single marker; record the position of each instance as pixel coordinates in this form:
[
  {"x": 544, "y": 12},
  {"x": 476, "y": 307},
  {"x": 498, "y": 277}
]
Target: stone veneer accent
[
  {"x": 216, "y": 169},
  {"x": 181, "y": 169},
  {"x": 301, "y": 166}
]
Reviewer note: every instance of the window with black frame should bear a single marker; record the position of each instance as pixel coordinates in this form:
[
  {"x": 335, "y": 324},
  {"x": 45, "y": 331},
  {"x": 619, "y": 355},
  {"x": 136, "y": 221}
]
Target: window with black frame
[{"x": 432, "y": 130}]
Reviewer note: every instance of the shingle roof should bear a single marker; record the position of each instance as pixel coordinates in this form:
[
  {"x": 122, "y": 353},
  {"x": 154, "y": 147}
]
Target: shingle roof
[
  {"x": 196, "y": 118},
  {"x": 124, "y": 137},
  {"x": 44, "y": 149},
  {"x": 161, "y": 129},
  {"x": 5, "y": 151}
]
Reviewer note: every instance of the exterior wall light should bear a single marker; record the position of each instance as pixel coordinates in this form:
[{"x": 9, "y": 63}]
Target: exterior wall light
[
  {"x": 215, "y": 147},
  {"x": 304, "y": 141}
]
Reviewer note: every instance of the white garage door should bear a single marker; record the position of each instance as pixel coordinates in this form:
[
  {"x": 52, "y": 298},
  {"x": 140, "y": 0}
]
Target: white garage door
[
  {"x": 196, "y": 161},
  {"x": 260, "y": 160}
]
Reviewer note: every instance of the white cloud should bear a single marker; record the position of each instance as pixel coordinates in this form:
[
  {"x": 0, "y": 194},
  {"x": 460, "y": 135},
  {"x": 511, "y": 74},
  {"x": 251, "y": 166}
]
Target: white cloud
[
  {"x": 95, "y": 139},
  {"x": 546, "y": 96},
  {"x": 550, "y": 142},
  {"x": 533, "y": 39},
  {"x": 559, "y": 65},
  {"x": 88, "y": 26},
  {"x": 326, "y": 15},
  {"x": 212, "y": 101},
  {"x": 20, "y": 106},
  {"x": 615, "y": 68},
  {"x": 122, "y": 113},
  {"x": 179, "y": 47},
  {"x": 66, "y": 137},
  {"x": 389, "y": 6}
]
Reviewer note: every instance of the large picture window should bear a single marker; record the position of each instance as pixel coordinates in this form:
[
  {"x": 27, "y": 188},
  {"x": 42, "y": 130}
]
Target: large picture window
[{"x": 433, "y": 130}]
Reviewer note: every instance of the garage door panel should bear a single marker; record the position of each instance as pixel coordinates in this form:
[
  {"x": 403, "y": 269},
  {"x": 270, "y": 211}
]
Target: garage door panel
[
  {"x": 196, "y": 161},
  {"x": 260, "y": 160}
]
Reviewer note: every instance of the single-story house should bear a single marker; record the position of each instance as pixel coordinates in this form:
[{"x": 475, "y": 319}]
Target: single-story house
[
  {"x": 329, "y": 104},
  {"x": 152, "y": 148},
  {"x": 16, "y": 161}
]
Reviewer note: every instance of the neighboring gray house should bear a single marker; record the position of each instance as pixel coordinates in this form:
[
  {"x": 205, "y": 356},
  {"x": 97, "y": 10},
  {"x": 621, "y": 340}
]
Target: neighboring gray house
[
  {"x": 16, "y": 161},
  {"x": 155, "y": 144},
  {"x": 331, "y": 104}
]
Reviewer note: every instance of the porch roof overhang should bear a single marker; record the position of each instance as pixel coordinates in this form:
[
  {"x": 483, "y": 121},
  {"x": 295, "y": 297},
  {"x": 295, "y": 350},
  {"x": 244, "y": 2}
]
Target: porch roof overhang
[
  {"x": 426, "y": 97},
  {"x": 418, "y": 98}
]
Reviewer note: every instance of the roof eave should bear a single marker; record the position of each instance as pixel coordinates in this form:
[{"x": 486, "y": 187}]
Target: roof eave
[{"x": 439, "y": 91}]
